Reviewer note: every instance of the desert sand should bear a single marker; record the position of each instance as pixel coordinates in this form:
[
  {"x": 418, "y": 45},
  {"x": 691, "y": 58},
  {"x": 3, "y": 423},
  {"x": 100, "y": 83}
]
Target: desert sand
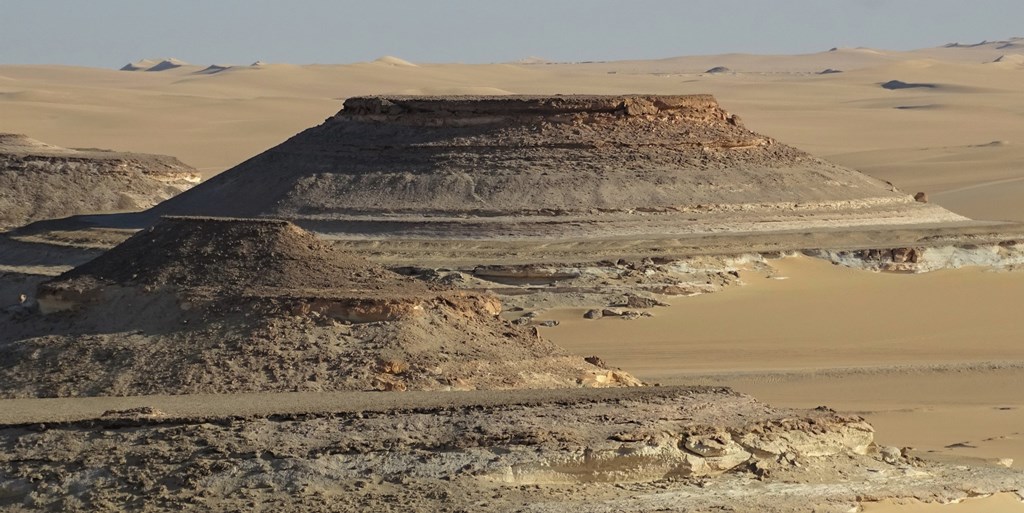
[{"x": 933, "y": 361}]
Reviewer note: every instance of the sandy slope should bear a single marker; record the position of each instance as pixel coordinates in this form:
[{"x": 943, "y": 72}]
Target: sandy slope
[
  {"x": 910, "y": 339},
  {"x": 999, "y": 503}
]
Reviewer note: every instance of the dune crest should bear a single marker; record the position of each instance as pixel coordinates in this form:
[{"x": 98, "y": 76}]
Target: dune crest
[
  {"x": 167, "y": 64},
  {"x": 154, "y": 64},
  {"x": 391, "y": 60},
  {"x": 140, "y": 65},
  {"x": 213, "y": 69}
]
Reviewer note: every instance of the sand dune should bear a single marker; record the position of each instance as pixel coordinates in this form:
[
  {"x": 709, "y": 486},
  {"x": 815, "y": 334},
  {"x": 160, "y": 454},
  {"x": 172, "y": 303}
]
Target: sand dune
[
  {"x": 213, "y": 68},
  {"x": 140, "y": 65},
  {"x": 167, "y": 64},
  {"x": 455, "y": 91},
  {"x": 849, "y": 309},
  {"x": 1011, "y": 58},
  {"x": 154, "y": 64},
  {"x": 391, "y": 60}
]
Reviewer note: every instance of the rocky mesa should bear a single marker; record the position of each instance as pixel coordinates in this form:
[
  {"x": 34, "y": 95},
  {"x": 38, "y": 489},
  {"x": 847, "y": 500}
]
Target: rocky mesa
[
  {"x": 500, "y": 166},
  {"x": 42, "y": 181}
]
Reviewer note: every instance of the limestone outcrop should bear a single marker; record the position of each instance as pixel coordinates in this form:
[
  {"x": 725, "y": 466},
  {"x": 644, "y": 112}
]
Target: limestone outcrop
[
  {"x": 629, "y": 449},
  {"x": 1007, "y": 254}
]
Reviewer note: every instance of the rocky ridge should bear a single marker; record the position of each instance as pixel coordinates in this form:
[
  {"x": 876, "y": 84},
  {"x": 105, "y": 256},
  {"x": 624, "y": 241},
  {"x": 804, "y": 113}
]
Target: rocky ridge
[{"x": 1006, "y": 255}]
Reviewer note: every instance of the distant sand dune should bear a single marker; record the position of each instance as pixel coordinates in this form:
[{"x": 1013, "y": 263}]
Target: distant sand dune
[
  {"x": 394, "y": 61},
  {"x": 1014, "y": 59},
  {"x": 139, "y": 65},
  {"x": 167, "y": 64},
  {"x": 929, "y": 106},
  {"x": 154, "y": 64},
  {"x": 899, "y": 84},
  {"x": 213, "y": 68},
  {"x": 532, "y": 60}
]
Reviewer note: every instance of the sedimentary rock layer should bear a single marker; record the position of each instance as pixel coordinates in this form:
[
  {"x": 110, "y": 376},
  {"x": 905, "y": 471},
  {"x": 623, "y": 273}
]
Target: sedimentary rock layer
[
  {"x": 42, "y": 181},
  {"x": 228, "y": 305},
  {"x": 524, "y": 165}
]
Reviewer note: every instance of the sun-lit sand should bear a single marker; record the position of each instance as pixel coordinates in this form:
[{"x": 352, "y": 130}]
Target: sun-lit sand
[
  {"x": 815, "y": 315},
  {"x": 999, "y": 503},
  {"x": 933, "y": 361}
]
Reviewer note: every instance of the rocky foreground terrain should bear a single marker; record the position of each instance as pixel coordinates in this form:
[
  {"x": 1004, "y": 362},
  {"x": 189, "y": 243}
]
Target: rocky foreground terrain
[
  {"x": 641, "y": 449},
  {"x": 42, "y": 181},
  {"x": 300, "y": 367}
]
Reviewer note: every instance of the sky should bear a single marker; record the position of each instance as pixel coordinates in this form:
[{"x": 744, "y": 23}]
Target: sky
[{"x": 110, "y": 33}]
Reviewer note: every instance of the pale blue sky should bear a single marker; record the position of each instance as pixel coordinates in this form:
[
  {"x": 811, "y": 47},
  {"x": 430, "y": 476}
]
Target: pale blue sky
[{"x": 110, "y": 33}]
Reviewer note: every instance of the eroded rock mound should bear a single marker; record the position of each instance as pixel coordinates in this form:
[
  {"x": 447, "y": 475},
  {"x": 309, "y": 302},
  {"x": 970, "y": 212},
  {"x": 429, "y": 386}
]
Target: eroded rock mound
[
  {"x": 237, "y": 255},
  {"x": 494, "y": 166},
  {"x": 42, "y": 181},
  {"x": 641, "y": 449},
  {"x": 228, "y": 305}
]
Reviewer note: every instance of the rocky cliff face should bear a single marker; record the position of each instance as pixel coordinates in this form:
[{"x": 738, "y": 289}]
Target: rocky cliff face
[
  {"x": 495, "y": 166},
  {"x": 41, "y": 181}
]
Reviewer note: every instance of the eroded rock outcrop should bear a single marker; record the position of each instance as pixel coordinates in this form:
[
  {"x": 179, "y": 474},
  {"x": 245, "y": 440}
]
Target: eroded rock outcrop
[
  {"x": 42, "y": 181},
  {"x": 1008, "y": 254},
  {"x": 640, "y": 449},
  {"x": 226, "y": 305}
]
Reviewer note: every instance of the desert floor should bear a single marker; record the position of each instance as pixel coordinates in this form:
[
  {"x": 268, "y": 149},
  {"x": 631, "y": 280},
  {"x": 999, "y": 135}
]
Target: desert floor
[{"x": 934, "y": 361}]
